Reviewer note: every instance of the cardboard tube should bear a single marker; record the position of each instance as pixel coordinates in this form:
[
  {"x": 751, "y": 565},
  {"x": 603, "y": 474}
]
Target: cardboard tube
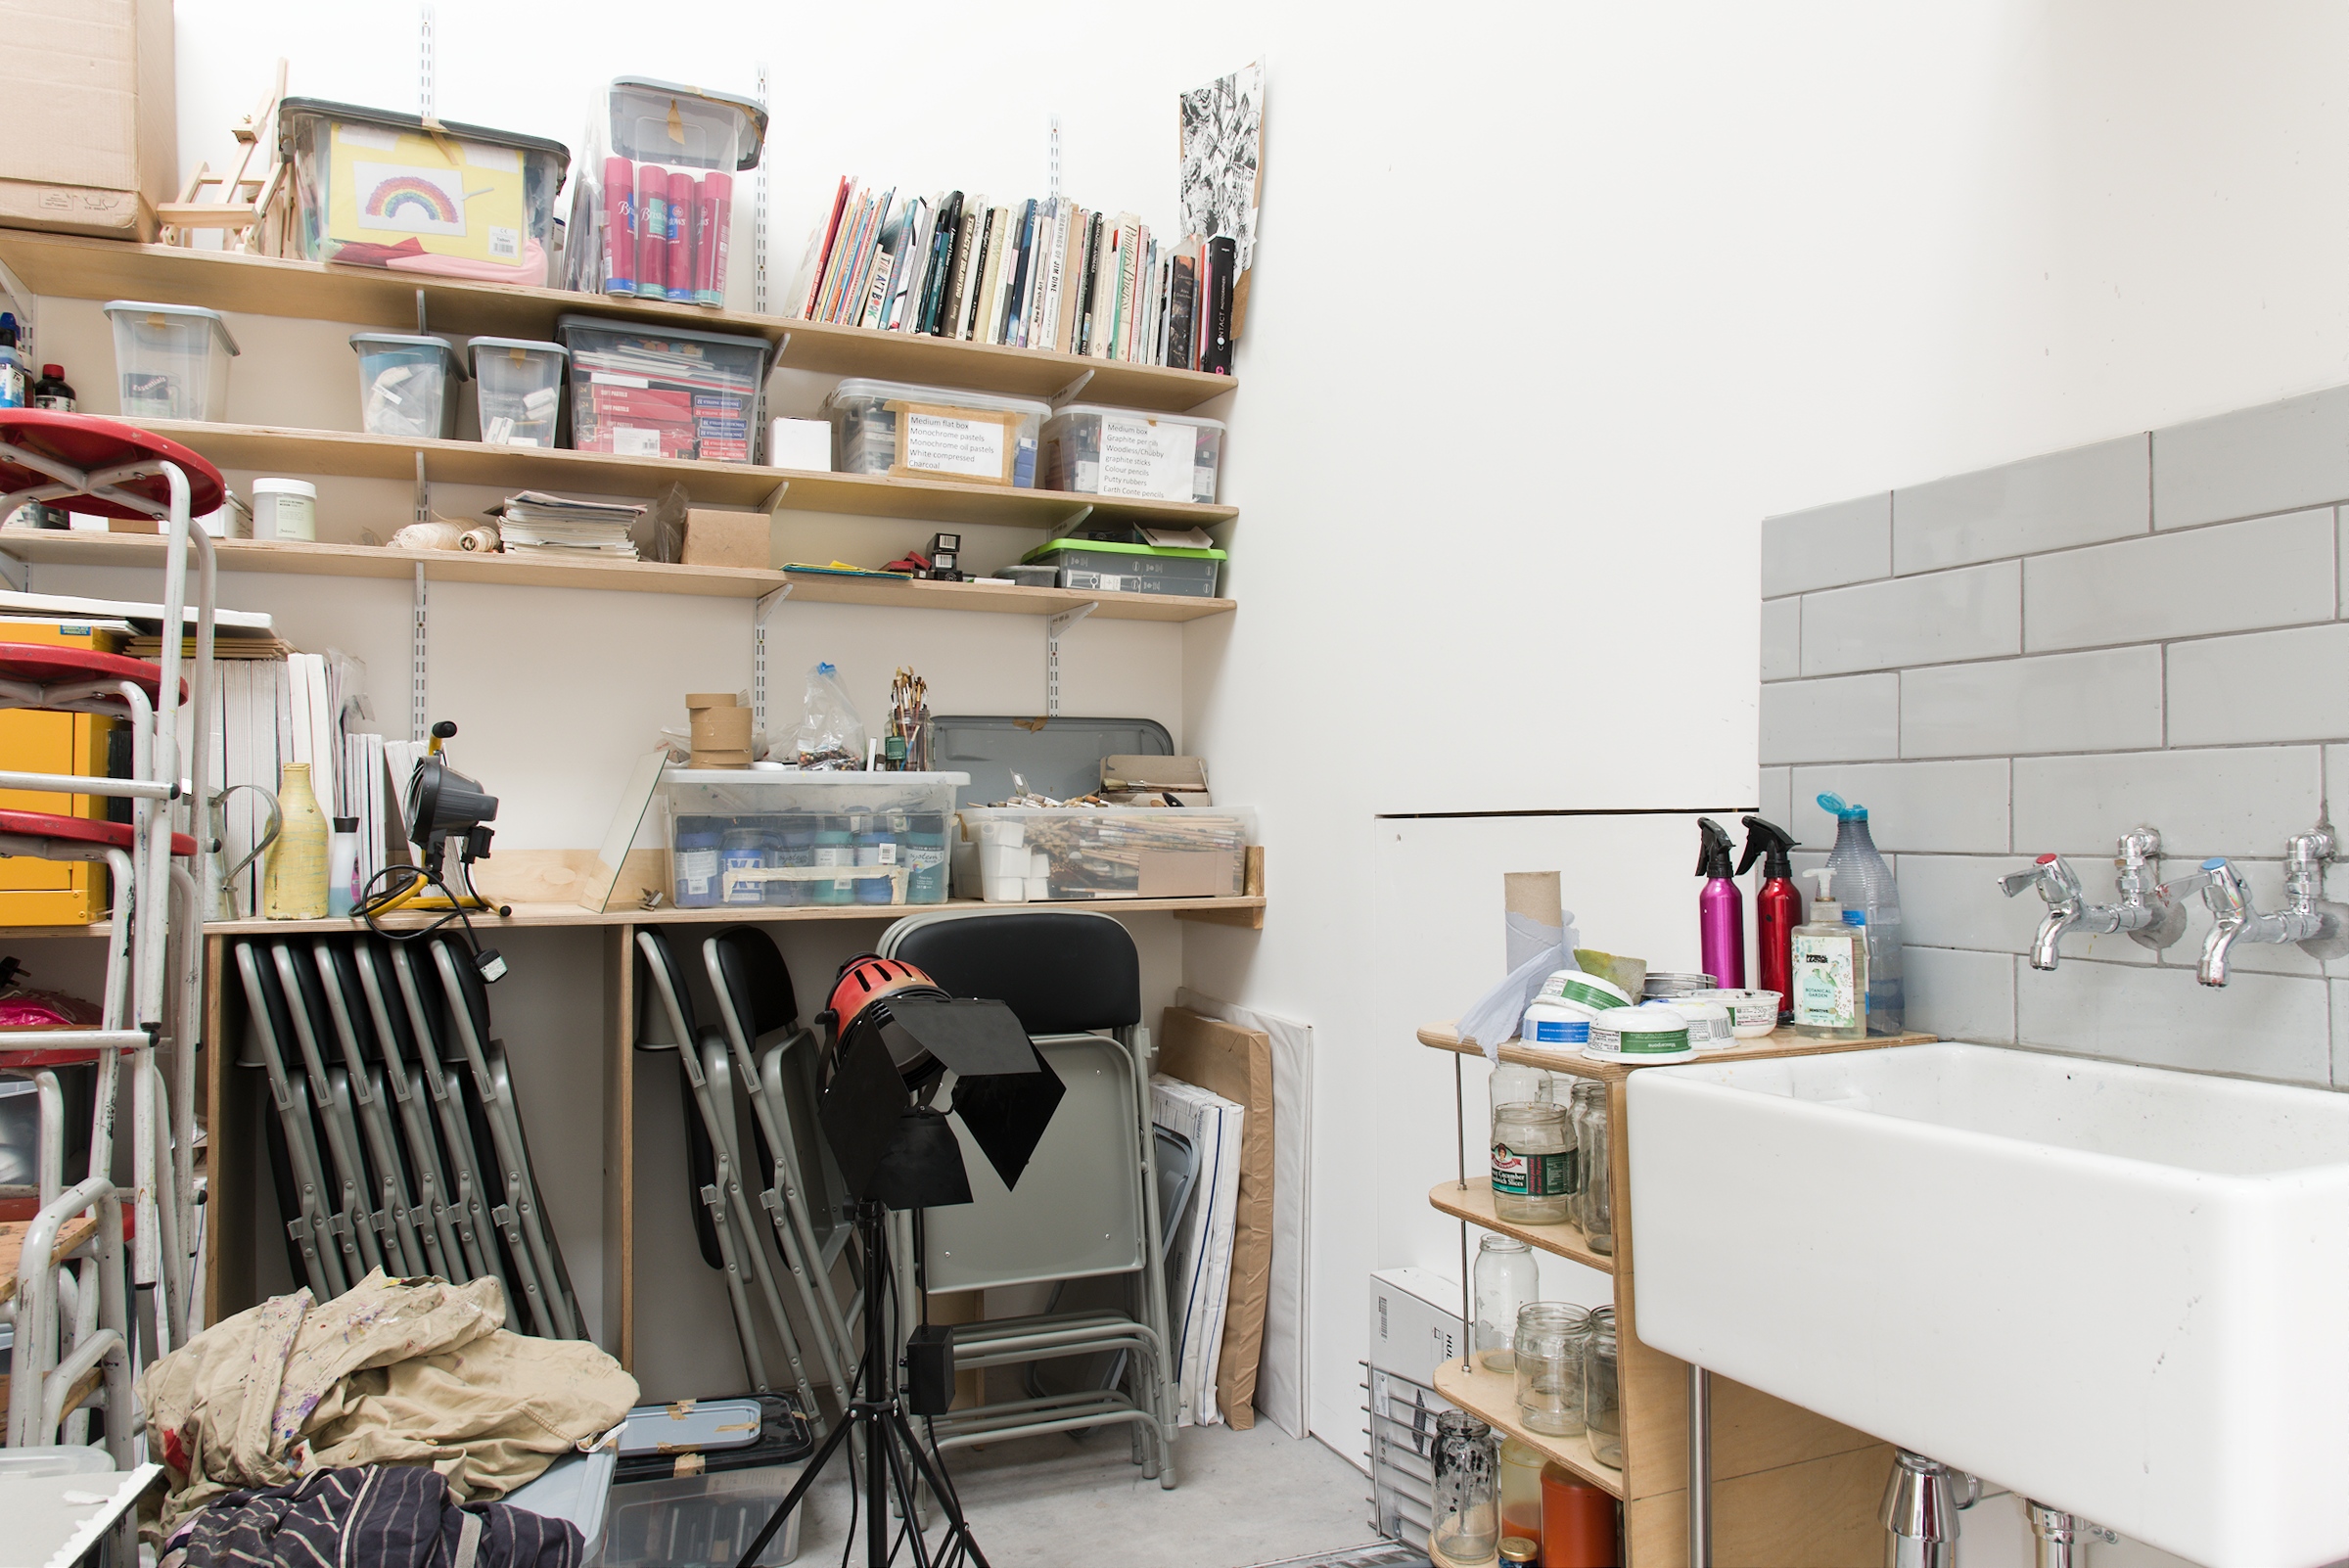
[{"x": 1533, "y": 900}]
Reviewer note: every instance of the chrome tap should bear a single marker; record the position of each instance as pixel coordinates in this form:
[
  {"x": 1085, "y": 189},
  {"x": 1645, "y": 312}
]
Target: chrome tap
[
  {"x": 2146, "y": 911},
  {"x": 2316, "y": 924}
]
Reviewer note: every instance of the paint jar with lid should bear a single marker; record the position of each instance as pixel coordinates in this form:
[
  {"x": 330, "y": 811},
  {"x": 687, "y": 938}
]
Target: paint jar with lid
[
  {"x": 694, "y": 858},
  {"x": 743, "y": 848},
  {"x": 836, "y": 845},
  {"x": 1533, "y": 1164},
  {"x": 1648, "y": 1032}
]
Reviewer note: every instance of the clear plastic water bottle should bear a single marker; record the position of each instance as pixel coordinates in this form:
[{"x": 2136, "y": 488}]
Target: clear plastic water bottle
[{"x": 1870, "y": 899}]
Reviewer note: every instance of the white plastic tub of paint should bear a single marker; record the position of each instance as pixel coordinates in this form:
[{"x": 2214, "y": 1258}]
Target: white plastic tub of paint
[
  {"x": 1649, "y": 1032},
  {"x": 1752, "y": 1013},
  {"x": 171, "y": 360},
  {"x": 407, "y": 385},
  {"x": 519, "y": 389},
  {"x": 285, "y": 509}
]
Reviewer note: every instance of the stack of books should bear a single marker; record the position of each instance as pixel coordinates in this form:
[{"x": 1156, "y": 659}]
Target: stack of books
[
  {"x": 1030, "y": 274},
  {"x": 555, "y": 527}
]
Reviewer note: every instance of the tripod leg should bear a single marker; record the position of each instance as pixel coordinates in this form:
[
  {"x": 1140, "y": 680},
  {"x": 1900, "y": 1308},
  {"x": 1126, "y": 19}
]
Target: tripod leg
[
  {"x": 799, "y": 1490},
  {"x": 898, "y": 1479},
  {"x": 957, "y": 1524}
]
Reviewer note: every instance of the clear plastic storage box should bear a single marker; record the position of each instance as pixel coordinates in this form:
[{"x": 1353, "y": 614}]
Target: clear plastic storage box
[
  {"x": 764, "y": 837},
  {"x": 1118, "y": 451},
  {"x": 886, "y": 427},
  {"x": 374, "y": 188},
  {"x": 1032, "y": 854},
  {"x": 172, "y": 360},
  {"x": 1108, "y": 567},
  {"x": 652, "y": 206},
  {"x": 407, "y": 385},
  {"x": 648, "y": 392},
  {"x": 518, "y": 391},
  {"x": 700, "y": 1521}
]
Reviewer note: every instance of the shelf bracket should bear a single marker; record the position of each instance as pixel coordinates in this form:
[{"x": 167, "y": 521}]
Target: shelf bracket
[
  {"x": 420, "y": 723},
  {"x": 16, "y": 573},
  {"x": 420, "y": 333},
  {"x": 759, "y": 222},
  {"x": 1054, "y": 629},
  {"x": 767, "y": 604},
  {"x": 424, "y": 488},
  {"x": 774, "y": 498},
  {"x": 1072, "y": 388}
]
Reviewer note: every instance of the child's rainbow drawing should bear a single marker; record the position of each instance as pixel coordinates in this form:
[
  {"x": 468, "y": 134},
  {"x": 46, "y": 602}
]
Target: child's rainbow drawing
[{"x": 410, "y": 200}]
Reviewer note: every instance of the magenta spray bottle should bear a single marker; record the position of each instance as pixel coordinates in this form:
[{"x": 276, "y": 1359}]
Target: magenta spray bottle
[{"x": 1719, "y": 911}]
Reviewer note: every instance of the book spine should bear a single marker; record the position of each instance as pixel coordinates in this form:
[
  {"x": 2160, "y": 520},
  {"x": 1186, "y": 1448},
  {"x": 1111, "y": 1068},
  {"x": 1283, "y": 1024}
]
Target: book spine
[
  {"x": 1015, "y": 287},
  {"x": 1064, "y": 333},
  {"x": 941, "y": 263},
  {"x": 1129, "y": 242},
  {"x": 1222, "y": 256},
  {"x": 1044, "y": 316},
  {"x": 837, "y": 264},
  {"x": 1089, "y": 270},
  {"x": 974, "y": 325},
  {"x": 958, "y": 269},
  {"x": 991, "y": 292}
]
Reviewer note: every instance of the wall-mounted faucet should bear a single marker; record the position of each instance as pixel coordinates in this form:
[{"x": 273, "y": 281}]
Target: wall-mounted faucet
[
  {"x": 2319, "y": 925},
  {"x": 2147, "y": 912}
]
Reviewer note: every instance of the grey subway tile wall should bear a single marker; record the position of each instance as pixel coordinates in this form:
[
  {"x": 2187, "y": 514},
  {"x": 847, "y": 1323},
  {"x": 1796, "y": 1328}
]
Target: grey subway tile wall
[{"x": 2040, "y": 656}]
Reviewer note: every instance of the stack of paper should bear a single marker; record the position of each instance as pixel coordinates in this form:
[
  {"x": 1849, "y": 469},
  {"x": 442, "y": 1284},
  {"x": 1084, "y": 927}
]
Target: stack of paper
[
  {"x": 555, "y": 527},
  {"x": 1199, "y": 1258}
]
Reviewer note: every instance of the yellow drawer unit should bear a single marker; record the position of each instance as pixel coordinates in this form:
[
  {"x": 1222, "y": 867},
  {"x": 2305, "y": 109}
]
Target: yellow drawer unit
[{"x": 54, "y": 893}]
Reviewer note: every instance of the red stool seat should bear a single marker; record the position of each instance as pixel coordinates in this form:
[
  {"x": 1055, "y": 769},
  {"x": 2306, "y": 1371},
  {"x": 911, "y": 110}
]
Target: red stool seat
[
  {"x": 80, "y": 830},
  {"x": 88, "y": 442},
  {"x": 43, "y": 665}
]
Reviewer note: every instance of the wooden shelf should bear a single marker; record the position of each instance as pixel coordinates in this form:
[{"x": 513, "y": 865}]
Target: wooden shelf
[
  {"x": 51, "y": 547},
  {"x": 1474, "y": 1204},
  {"x": 75, "y": 268},
  {"x": 1491, "y": 1398},
  {"x": 1778, "y": 1042}
]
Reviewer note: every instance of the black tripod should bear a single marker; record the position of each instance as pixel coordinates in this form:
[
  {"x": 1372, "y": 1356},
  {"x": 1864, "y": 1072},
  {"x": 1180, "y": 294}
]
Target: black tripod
[{"x": 876, "y": 1413}]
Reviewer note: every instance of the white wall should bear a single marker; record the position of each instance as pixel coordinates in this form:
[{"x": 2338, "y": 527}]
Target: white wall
[{"x": 1554, "y": 304}]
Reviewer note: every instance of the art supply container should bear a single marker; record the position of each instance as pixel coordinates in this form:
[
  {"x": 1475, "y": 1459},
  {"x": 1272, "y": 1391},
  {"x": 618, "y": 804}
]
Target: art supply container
[
  {"x": 835, "y": 861},
  {"x": 741, "y": 857},
  {"x": 693, "y": 857},
  {"x": 1520, "y": 1550},
  {"x": 1120, "y": 452},
  {"x": 1533, "y": 1164},
  {"x": 1602, "y": 1391},
  {"x": 1550, "y": 1337},
  {"x": 1110, "y": 567},
  {"x": 1100, "y": 852},
  {"x": 1578, "y": 1522},
  {"x": 925, "y": 852},
  {"x": 1648, "y": 1032},
  {"x": 407, "y": 385},
  {"x": 886, "y": 427},
  {"x": 1752, "y": 1013},
  {"x": 792, "y": 845},
  {"x": 1520, "y": 1495},
  {"x": 519, "y": 391},
  {"x": 791, "y": 838},
  {"x": 171, "y": 361},
  {"x": 1506, "y": 1281},
  {"x": 1661, "y": 987},
  {"x": 1709, "y": 1025},
  {"x": 1467, "y": 1503},
  {"x": 876, "y": 851},
  {"x": 644, "y": 391},
  {"x": 285, "y": 509},
  {"x": 697, "y": 1479},
  {"x": 652, "y": 206},
  {"x": 380, "y": 188}
]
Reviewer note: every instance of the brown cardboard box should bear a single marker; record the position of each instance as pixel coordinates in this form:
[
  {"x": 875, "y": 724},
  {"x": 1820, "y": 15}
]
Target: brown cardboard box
[
  {"x": 726, "y": 539},
  {"x": 96, "y": 75}
]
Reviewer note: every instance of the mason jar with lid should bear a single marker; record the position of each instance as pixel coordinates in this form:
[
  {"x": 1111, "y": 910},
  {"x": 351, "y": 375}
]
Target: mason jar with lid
[
  {"x": 1467, "y": 1503},
  {"x": 1506, "y": 1281},
  {"x": 1533, "y": 1164},
  {"x": 1551, "y": 1335},
  {"x": 1602, "y": 1391}
]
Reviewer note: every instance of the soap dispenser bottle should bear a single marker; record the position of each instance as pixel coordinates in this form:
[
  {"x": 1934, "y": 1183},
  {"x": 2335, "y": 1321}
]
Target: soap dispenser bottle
[
  {"x": 1777, "y": 909},
  {"x": 1869, "y": 893},
  {"x": 1830, "y": 968},
  {"x": 1719, "y": 911}
]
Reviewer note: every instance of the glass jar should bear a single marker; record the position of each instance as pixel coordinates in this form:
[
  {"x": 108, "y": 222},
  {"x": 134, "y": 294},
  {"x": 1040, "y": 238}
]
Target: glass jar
[
  {"x": 743, "y": 848},
  {"x": 835, "y": 846},
  {"x": 1598, "y": 1194},
  {"x": 1533, "y": 1164},
  {"x": 1506, "y": 1281},
  {"x": 1467, "y": 1506},
  {"x": 1520, "y": 1492},
  {"x": 1549, "y": 1366},
  {"x": 1513, "y": 1082},
  {"x": 798, "y": 850},
  {"x": 1602, "y": 1391},
  {"x": 1520, "y": 1552}
]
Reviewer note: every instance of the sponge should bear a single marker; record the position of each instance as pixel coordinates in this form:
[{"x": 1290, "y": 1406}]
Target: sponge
[{"x": 1628, "y": 973}]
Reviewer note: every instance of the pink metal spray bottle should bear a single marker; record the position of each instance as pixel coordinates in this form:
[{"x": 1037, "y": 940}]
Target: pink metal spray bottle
[{"x": 1719, "y": 911}]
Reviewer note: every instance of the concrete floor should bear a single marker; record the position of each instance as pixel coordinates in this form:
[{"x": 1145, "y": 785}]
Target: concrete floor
[{"x": 1246, "y": 1497}]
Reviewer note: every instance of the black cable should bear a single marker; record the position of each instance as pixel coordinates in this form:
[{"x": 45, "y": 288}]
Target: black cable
[{"x": 374, "y": 903}]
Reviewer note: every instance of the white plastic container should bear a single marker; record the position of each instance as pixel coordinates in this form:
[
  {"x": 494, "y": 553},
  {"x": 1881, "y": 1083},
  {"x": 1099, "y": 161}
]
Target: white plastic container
[
  {"x": 1031, "y": 854},
  {"x": 700, "y": 1521},
  {"x": 1752, "y": 1013},
  {"x": 652, "y": 205},
  {"x": 1648, "y": 1032},
  {"x": 642, "y": 389},
  {"x": 519, "y": 389},
  {"x": 285, "y": 509},
  {"x": 171, "y": 361},
  {"x": 886, "y": 427},
  {"x": 407, "y": 385},
  {"x": 1097, "y": 450}
]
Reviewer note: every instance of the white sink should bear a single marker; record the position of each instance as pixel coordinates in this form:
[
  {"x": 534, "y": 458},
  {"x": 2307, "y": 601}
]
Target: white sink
[{"x": 2121, "y": 1291}]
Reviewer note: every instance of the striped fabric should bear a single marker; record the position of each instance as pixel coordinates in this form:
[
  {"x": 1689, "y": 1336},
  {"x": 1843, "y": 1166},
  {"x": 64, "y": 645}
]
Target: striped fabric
[{"x": 371, "y": 1516}]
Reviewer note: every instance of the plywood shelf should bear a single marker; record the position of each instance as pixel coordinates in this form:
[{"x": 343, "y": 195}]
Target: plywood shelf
[
  {"x": 1491, "y": 1398},
  {"x": 47, "y": 546},
  {"x": 1474, "y": 1204},
  {"x": 71, "y": 268},
  {"x": 1446, "y": 1037}
]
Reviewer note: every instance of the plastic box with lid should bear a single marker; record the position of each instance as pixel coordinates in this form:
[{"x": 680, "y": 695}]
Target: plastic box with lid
[
  {"x": 1109, "y": 567},
  {"x": 886, "y": 427},
  {"x": 518, "y": 391},
  {"x": 764, "y": 837},
  {"x": 1097, "y": 450},
  {"x": 171, "y": 360},
  {"x": 376, "y": 188},
  {"x": 407, "y": 385},
  {"x": 640, "y": 391},
  {"x": 1036, "y": 854},
  {"x": 652, "y": 204}
]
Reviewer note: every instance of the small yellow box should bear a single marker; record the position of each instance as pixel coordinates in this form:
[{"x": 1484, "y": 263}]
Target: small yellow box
[{"x": 54, "y": 893}]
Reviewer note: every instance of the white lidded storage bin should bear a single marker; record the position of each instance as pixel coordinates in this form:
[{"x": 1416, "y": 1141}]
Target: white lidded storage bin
[
  {"x": 172, "y": 360},
  {"x": 886, "y": 427},
  {"x": 407, "y": 385},
  {"x": 1032, "y": 854},
  {"x": 701, "y": 1521},
  {"x": 1096, "y": 450},
  {"x": 519, "y": 389},
  {"x": 759, "y": 836}
]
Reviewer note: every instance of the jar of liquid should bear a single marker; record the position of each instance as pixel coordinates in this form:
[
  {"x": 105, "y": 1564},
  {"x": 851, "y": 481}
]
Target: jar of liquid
[
  {"x": 1506, "y": 1281},
  {"x": 1520, "y": 1493},
  {"x": 1578, "y": 1521},
  {"x": 1550, "y": 1336},
  {"x": 696, "y": 863},
  {"x": 1533, "y": 1164},
  {"x": 1602, "y": 1391},
  {"x": 1467, "y": 1508},
  {"x": 1519, "y": 1551},
  {"x": 741, "y": 850},
  {"x": 926, "y": 868},
  {"x": 836, "y": 845},
  {"x": 1595, "y": 1202}
]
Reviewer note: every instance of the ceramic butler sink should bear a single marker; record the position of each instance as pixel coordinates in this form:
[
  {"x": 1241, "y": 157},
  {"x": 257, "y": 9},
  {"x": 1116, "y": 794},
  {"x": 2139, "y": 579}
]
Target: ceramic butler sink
[{"x": 2121, "y": 1291}]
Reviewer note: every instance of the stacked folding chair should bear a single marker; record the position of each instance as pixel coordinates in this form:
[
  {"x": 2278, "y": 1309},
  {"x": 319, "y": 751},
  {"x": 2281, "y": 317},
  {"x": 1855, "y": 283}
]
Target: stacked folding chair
[
  {"x": 396, "y": 1140},
  {"x": 72, "y": 1324}
]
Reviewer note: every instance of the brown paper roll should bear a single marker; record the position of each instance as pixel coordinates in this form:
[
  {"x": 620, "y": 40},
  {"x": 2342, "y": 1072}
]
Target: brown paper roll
[
  {"x": 1534, "y": 895},
  {"x": 696, "y": 700},
  {"x": 721, "y": 729}
]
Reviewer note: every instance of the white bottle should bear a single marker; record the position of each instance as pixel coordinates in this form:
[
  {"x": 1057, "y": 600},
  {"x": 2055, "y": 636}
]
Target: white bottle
[{"x": 1829, "y": 969}]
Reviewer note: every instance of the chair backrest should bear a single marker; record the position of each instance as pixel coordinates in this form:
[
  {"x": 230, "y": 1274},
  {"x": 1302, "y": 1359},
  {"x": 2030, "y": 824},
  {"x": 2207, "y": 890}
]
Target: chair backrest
[
  {"x": 380, "y": 989},
  {"x": 757, "y": 986},
  {"x": 655, "y": 1026},
  {"x": 1177, "y": 1176},
  {"x": 345, "y": 1000},
  {"x": 1062, "y": 971},
  {"x": 470, "y": 992}
]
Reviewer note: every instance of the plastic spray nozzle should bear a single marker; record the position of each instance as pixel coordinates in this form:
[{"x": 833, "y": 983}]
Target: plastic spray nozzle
[
  {"x": 1833, "y": 805},
  {"x": 1767, "y": 839},
  {"x": 1713, "y": 855},
  {"x": 1824, "y": 903}
]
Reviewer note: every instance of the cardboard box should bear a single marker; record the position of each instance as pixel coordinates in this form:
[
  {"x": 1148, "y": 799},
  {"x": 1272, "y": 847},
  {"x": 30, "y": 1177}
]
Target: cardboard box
[
  {"x": 1414, "y": 1322},
  {"x": 727, "y": 539},
  {"x": 98, "y": 74}
]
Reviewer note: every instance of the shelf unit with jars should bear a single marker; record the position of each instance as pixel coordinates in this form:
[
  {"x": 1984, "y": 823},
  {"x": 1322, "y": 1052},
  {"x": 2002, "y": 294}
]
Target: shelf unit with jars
[{"x": 1790, "y": 1487}]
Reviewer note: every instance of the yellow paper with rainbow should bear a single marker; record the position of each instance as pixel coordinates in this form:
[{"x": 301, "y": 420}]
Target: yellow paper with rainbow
[{"x": 454, "y": 198}]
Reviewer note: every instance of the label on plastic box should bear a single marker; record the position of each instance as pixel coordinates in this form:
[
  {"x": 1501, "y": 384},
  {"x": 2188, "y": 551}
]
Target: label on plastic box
[
  {"x": 968, "y": 444},
  {"x": 697, "y": 869},
  {"x": 505, "y": 244},
  {"x": 629, "y": 441},
  {"x": 1148, "y": 459}
]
